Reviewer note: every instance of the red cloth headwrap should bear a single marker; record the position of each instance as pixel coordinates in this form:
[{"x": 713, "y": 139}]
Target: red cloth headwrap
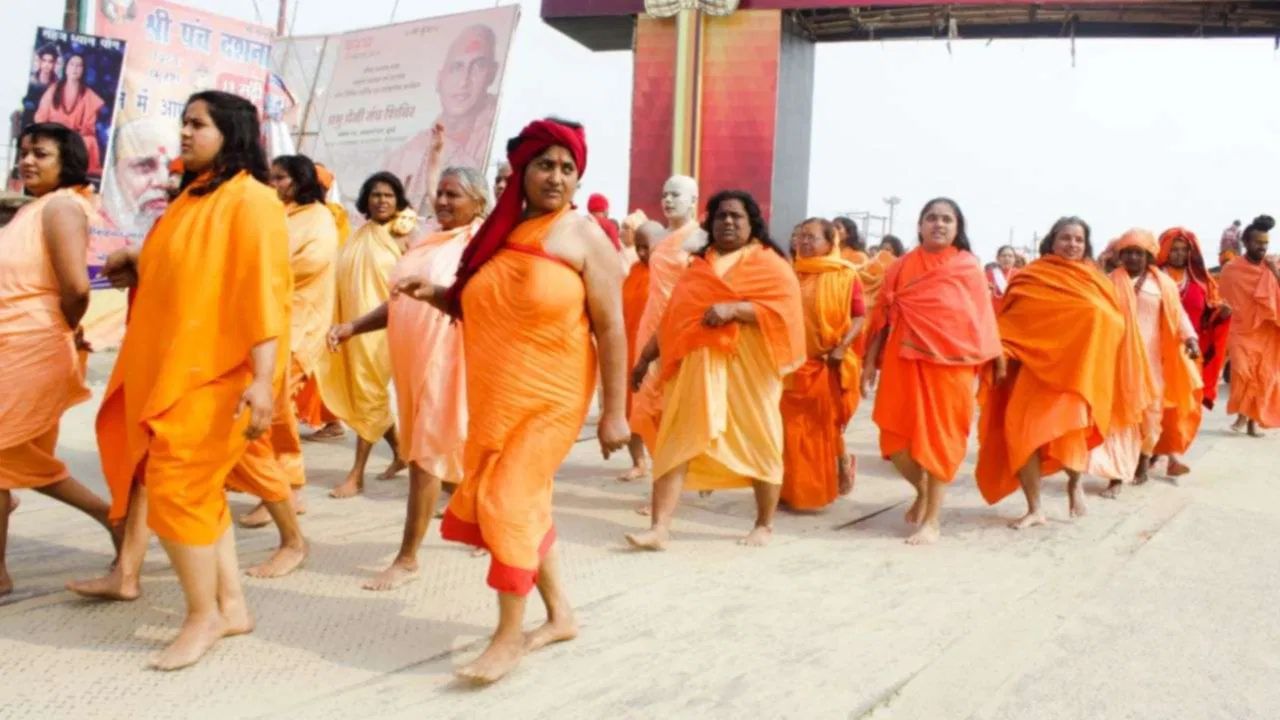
[
  {"x": 536, "y": 137},
  {"x": 597, "y": 203}
]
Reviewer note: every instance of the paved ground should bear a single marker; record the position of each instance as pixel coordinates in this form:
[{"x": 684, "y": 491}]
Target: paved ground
[{"x": 1160, "y": 605}]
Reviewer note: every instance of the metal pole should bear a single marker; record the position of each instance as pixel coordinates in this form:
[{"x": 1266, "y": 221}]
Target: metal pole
[{"x": 282, "y": 18}]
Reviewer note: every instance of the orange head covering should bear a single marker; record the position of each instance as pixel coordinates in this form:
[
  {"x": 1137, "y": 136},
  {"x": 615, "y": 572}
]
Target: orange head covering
[
  {"x": 1135, "y": 238},
  {"x": 1196, "y": 268},
  {"x": 536, "y": 137},
  {"x": 325, "y": 176}
]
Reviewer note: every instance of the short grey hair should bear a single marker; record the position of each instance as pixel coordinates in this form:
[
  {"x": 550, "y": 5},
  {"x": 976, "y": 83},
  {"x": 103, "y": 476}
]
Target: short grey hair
[{"x": 473, "y": 185}]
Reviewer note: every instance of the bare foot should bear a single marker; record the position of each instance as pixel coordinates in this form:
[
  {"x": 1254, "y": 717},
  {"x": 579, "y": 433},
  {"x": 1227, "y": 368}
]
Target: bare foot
[
  {"x": 1141, "y": 479},
  {"x": 500, "y": 658},
  {"x": 916, "y": 512},
  {"x": 704, "y": 493},
  {"x": 6, "y": 583},
  {"x": 1112, "y": 490},
  {"x": 758, "y": 537},
  {"x": 332, "y": 431},
  {"x": 255, "y": 518},
  {"x": 197, "y": 636},
  {"x": 238, "y": 619},
  {"x": 1239, "y": 425},
  {"x": 282, "y": 562},
  {"x": 635, "y": 473},
  {"x": 1253, "y": 430},
  {"x": 552, "y": 631},
  {"x": 1177, "y": 469},
  {"x": 1029, "y": 520},
  {"x": 396, "y": 467},
  {"x": 397, "y": 573},
  {"x": 115, "y": 586},
  {"x": 652, "y": 539},
  {"x": 1075, "y": 503},
  {"x": 928, "y": 534},
  {"x": 351, "y": 487}
]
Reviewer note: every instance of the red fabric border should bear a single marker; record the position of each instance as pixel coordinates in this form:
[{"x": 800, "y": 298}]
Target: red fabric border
[{"x": 502, "y": 577}]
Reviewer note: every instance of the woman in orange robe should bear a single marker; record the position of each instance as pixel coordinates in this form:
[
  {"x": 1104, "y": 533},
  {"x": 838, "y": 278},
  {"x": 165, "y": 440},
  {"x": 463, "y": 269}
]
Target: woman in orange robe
[
  {"x": 538, "y": 293},
  {"x": 1251, "y": 286},
  {"x": 821, "y": 396},
  {"x": 427, "y": 364},
  {"x": 1073, "y": 372},
  {"x": 852, "y": 247},
  {"x": 635, "y": 296},
  {"x": 178, "y": 421},
  {"x": 1181, "y": 259},
  {"x": 44, "y": 291},
  {"x": 733, "y": 329},
  {"x": 274, "y": 472},
  {"x": 998, "y": 277},
  {"x": 931, "y": 332},
  {"x": 72, "y": 103},
  {"x": 1170, "y": 422}
]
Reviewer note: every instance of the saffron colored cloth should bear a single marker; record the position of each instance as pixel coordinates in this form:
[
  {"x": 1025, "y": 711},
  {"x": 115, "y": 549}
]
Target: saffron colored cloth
[
  {"x": 667, "y": 262},
  {"x": 818, "y": 400},
  {"x": 44, "y": 376},
  {"x": 354, "y": 381},
  {"x": 213, "y": 283},
  {"x": 723, "y": 385},
  {"x": 427, "y": 359},
  {"x": 1068, "y": 345},
  {"x": 531, "y": 369},
  {"x": 1253, "y": 293},
  {"x": 941, "y": 330}
]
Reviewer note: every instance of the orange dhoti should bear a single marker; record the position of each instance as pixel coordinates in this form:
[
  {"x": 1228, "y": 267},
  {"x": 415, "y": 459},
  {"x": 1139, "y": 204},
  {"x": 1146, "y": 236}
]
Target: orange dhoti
[
  {"x": 941, "y": 331},
  {"x": 43, "y": 375},
  {"x": 272, "y": 464},
  {"x": 1253, "y": 346},
  {"x": 635, "y": 295},
  {"x": 170, "y": 416},
  {"x": 530, "y": 370},
  {"x": 1075, "y": 372},
  {"x": 817, "y": 399}
]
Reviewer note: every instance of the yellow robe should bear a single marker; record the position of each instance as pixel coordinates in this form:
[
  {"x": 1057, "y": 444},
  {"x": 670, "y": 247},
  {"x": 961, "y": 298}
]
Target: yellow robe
[
  {"x": 722, "y": 412},
  {"x": 354, "y": 381}
]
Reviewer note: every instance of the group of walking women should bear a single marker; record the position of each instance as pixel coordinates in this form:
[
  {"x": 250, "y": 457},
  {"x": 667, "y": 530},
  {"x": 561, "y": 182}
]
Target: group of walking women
[{"x": 500, "y": 322}]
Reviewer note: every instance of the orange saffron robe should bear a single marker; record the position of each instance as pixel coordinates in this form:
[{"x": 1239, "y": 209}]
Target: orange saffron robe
[
  {"x": 43, "y": 374},
  {"x": 1253, "y": 345},
  {"x": 273, "y": 463},
  {"x": 635, "y": 295},
  {"x": 817, "y": 402},
  {"x": 427, "y": 359},
  {"x": 213, "y": 283},
  {"x": 1201, "y": 299},
  {"x": 531, "y": 371},
  {"x": 941, "y": 331},
  {"x": 667, "y": 262},
  {"x": 723, "y": 385},
  {"x": 1074, "y": 373}
]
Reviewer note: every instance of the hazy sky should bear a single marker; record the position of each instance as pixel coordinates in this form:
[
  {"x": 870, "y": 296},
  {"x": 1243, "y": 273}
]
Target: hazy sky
[{"x": 1138, "y": 133}]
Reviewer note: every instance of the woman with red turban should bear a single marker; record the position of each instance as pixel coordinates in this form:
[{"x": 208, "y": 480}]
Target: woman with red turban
[
  {"x": 1181, "y": 259},
  {"x": 538, "y": 291}
]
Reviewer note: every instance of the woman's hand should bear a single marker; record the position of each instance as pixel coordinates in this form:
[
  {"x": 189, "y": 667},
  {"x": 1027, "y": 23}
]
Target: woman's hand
[
  {"x": 869, "y": 374},
  {"x": 121, "y": 268},
  {"x": 720, "y": 314},
  {"x": 258, "y": 400},
  {"x": 339, "y": 334},
  {"x": 614, "y": 433},
  {"x": 415, "y": 287},
  {"x": 1192, "y": 348}
]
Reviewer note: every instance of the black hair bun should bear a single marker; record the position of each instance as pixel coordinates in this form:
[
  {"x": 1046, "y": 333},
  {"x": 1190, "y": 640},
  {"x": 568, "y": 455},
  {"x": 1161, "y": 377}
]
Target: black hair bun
[{"x": 1264, "y": 223}]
